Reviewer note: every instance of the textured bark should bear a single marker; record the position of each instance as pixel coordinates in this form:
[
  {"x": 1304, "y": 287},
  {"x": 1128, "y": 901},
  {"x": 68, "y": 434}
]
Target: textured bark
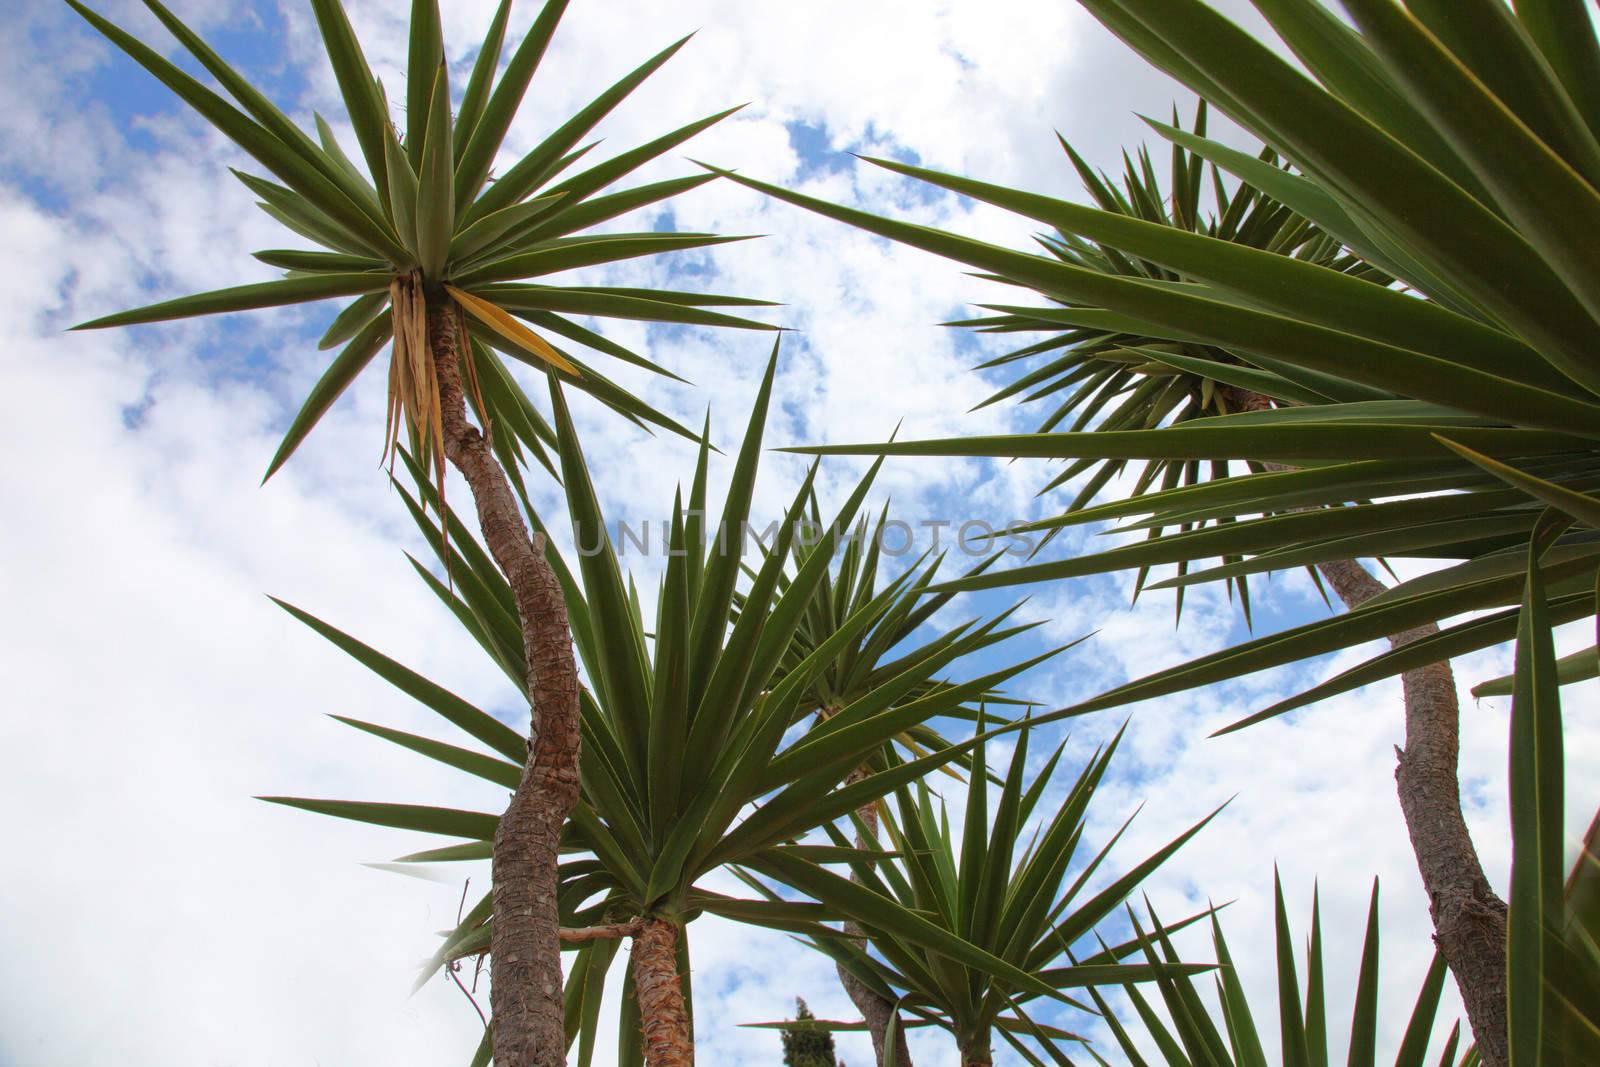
[
  {"x": 1469, "y": 920},
  {"x": 874, "y": 1008},
  {"x": 876, "y": 1011},
  {"x": 525, "y": 949},
  {"x": 977, "y": 1055},
  {"x": 663, "y": 1017}
]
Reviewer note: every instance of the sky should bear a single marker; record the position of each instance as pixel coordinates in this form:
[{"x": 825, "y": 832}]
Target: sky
[{"x": 152, "y": 911}]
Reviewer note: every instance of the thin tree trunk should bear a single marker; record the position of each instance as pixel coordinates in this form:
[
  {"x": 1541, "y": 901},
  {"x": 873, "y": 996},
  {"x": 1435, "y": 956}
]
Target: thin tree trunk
[
  {"x": 525, "y": 949},
  {"x": 1469, "y": 920},
  {"x": 874, "y": 1008},
  {"x": 977, "y": 1054},
  {"x": 663, "y": 1016}
]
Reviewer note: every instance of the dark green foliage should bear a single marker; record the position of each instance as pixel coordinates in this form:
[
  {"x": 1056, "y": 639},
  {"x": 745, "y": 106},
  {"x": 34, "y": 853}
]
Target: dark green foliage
[
  {"x": 1437, "y": 407},
  {"x": 424, "y": 211},
  {"x": 804, "y": 1043},
  {"x": 688, "y": 763}
]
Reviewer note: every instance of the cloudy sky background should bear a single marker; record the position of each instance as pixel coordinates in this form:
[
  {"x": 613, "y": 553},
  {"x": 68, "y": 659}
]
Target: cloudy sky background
[{"x": 152, "y": 912}]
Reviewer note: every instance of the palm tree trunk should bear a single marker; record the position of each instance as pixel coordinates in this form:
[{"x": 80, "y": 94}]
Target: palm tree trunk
[
  {"x": 663, "y": 1016},
  {"x": 977, "y": 1053},
  {"x": 525, "y": 950},
  {"x": 874, "y": 1008},
  {"x": 1469, "y": 920}
]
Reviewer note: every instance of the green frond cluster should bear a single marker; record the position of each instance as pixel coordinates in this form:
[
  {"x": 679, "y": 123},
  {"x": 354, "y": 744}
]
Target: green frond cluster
[
  {"x": 418, "y": 219},
  {"x": 1027, "y": 905},
  {"x": 1419, "y": 403},
  {"x": 689, "y": 761}
]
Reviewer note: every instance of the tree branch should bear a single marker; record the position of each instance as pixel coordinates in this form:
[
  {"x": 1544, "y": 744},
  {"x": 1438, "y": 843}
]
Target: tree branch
[{"x": 615, "y": 932}]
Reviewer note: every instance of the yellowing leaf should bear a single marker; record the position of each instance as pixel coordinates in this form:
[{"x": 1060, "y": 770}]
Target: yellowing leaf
[{"x": 506, "y": 325}]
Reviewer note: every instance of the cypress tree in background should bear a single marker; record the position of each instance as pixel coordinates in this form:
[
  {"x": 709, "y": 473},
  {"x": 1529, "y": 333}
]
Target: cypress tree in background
[{"x": 805, "y": 1044}]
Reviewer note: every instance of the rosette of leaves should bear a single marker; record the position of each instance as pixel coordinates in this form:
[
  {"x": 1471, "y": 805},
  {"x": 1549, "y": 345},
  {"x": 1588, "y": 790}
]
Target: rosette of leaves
[
  {"x": 1022, "y": 896},
  {"x": 415, "y": 219},
  {"x": 689, "y": 764},
  {"x": 894, "y": 644},
  {"x": 890, "y": 647},
  {"x": 1449, "y": 148},
  {"x": 1107, "y": 371}
]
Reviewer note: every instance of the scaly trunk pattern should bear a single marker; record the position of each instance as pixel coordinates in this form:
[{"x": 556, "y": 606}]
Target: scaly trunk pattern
[
  {"x": 663, "y": 1017},
  {"x": 1469, "y": 920},
  {"x": 525, "y": 950}
]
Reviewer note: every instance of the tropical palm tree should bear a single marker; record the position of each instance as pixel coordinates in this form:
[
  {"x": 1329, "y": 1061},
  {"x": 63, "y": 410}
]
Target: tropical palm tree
[
  {"x": 1446, "y": 415},
  {"x": 688, "y": 770},
  {"x": 888, "y": 649},
  {"x": 438, "y": 254},
  {"x": 1103, "y": 371},
  {"x": 1027, "y": 907}
]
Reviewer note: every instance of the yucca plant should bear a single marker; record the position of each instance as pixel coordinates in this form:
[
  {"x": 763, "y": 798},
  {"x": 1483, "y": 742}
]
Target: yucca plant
[
  {"x": 1454, "y": 149},
  {"x": 1101, "y": 370},
  {"x": 422, "y": 222},
  {"x": 1026, "y": 905},
  {"x": 438, "y": 254},
  {"x": 1193, "y": 1032},
  {"x": 685, "y": 723},
  {"x": 875, "y": 656},
  {"x": 886, "y": 649}
]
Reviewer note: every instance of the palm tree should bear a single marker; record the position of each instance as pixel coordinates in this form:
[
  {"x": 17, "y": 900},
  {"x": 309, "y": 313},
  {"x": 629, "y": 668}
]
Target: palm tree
[
  {"x": 439, "y": 259},
  {"x": 685, "y": 724},
  {"x": 1455, "y": 151},
  {"x": 1026, "y": 907},
  {"x": 1123, "y": 377},
  {"x": 888, "y": 649}
]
